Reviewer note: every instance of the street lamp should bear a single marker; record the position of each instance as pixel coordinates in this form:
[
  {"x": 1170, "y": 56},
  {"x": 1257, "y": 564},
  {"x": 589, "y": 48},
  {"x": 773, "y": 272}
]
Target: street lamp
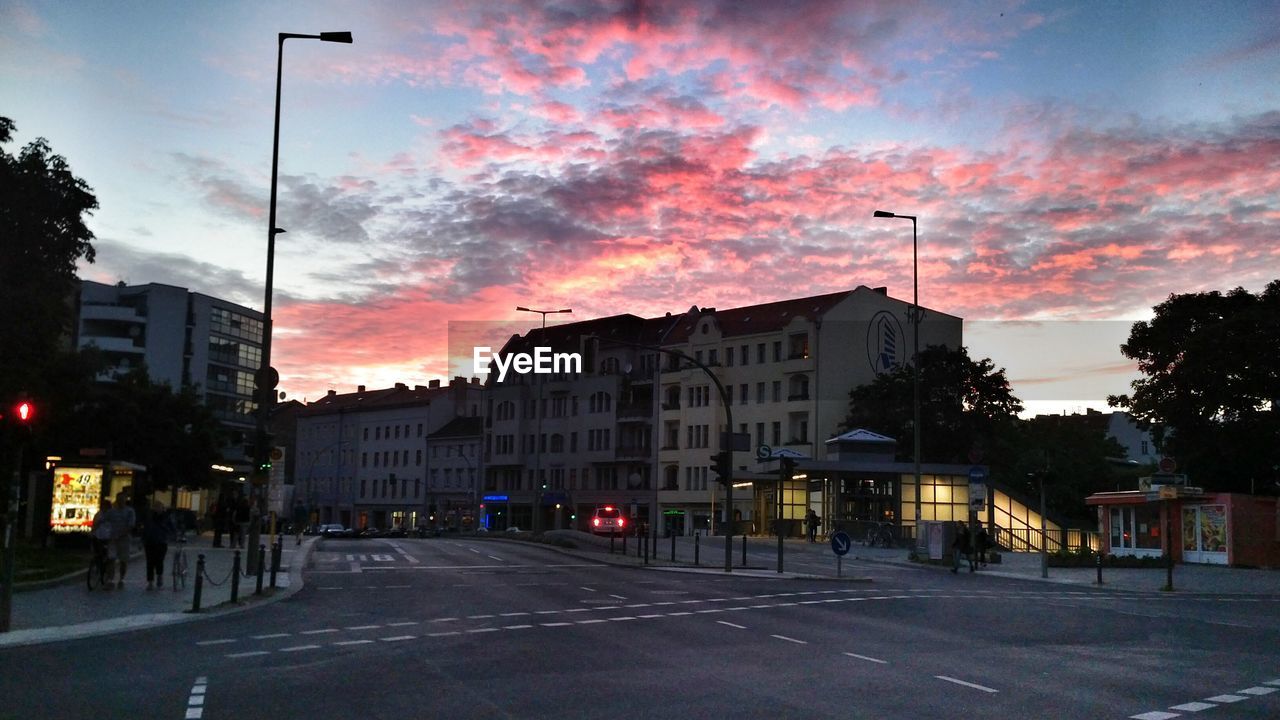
[
  {"x": 537, "y": 451},
  {"x": 915, "y": 349},
  {"x": 266, "y": 379}
]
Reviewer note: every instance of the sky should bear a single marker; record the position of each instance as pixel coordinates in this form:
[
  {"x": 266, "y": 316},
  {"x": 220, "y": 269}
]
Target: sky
[{"x": 1071, "y": 165}]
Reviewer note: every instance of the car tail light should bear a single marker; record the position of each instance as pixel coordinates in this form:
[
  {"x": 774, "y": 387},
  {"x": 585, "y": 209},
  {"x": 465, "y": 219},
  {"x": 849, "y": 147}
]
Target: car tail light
[
  {"x": 621, "y": 522},
  {"x": 595, "y": 521}
]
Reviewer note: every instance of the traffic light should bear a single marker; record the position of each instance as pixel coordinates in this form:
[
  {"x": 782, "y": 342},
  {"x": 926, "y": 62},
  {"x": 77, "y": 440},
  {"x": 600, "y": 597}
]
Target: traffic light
[
  {"x": 24, "y": 411},
  {"x": 721, "y": 465}
]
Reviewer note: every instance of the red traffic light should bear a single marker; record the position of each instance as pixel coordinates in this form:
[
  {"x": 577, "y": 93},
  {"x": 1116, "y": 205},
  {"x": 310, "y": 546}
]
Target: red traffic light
[{"x": 25, "y": 411}]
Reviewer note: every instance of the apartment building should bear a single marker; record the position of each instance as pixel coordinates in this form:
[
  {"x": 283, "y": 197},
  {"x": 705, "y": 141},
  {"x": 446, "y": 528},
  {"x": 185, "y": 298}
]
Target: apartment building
[
  {"x": 638, "y": 429},
  {"x": 185, "y": 339},
  {"x": 363, "y": 458},
  {"x": 454, "y": 467}
]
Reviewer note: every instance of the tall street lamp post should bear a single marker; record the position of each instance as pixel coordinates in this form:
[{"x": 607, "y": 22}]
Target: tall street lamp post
[
  {"x": 266, "y": 378},
  {"x": 915, "y": 350},
  {"x": 537, "y": 440}
]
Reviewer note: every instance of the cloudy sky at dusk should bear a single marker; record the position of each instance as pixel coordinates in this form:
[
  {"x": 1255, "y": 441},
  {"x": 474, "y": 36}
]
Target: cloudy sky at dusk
[{"x": 1069, "y": 163}]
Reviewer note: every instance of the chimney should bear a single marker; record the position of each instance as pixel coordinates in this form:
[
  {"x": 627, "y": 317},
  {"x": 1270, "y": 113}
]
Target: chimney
[
  {"x": 332, "y": 392},
  {"x": 433, "y": 384},
  {"x": 359, "y": 388},
  {"x": 401, "y": 386},
  {"x": 881, "y": 290}
]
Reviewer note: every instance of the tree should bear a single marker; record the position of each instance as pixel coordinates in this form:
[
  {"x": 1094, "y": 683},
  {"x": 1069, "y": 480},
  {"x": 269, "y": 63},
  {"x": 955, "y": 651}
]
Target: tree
[
  {"x": 963, "y": 405},
  {"x": 1212, "y": 384},
  {"x": 42, "y": 220}
]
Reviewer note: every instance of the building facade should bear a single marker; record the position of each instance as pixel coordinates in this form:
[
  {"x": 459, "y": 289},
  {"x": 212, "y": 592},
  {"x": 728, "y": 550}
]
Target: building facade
[
  {"x": 183, "y": 338},
  {"x": 639, "y": 427},
  {"x": 363, "y": 457}
]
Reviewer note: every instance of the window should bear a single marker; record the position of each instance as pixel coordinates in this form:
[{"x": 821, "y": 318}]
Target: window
[
  {"x": 364, "y": 459},
  {"x": 799, "y": 387},
  {"x": 777, "y": 434},
  {"x": 760, "y": 434},
  {"x": 375, "y": 459},
  {"x": 419, "y": 429},
  {"x": 798, "y": 346},
  {"x": 760, "y": 397},
  {"x": 363, "y": 486},
  {"x": 742, "y": 394},
  {"x": 377, "y": 433},
  {"x": 418, "y": 458},
  {"x": 697, "y": 356},
  {"x": 777, "y": 351},
  {"x": 728, "y": 356},
  {"x": 746, "y": 358},
  {"x": 573, "y": 442},
  {"x": 397, "y": 432},
  {"x": 366, "y": 434},
  {"x": 760, "y": 353},
  {"x": 777, "y": 391},
  {"x": 713, "y": 357}
]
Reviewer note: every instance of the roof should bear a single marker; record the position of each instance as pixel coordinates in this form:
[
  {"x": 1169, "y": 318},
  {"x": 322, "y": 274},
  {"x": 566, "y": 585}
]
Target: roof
[
  {"x": 398, "y": 396},
  {"x": 861, "y": 435},
  {"x": 755, "y": 319},
  {"x": 459, "y": 427}
]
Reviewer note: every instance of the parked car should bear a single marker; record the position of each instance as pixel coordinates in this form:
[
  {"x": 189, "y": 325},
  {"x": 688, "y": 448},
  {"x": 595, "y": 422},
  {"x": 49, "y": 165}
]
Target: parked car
[
  {"x": 333, "y": 530},
  {"x": 396, "y": 532}
]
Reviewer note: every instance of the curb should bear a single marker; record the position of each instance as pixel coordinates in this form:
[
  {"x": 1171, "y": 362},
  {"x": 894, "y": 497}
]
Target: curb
[{"x": 127, "y": 623}]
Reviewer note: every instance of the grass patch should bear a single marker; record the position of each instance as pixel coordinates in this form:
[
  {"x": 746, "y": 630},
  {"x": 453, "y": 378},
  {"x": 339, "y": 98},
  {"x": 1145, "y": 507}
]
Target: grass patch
[{"x": 35, "y": 563}]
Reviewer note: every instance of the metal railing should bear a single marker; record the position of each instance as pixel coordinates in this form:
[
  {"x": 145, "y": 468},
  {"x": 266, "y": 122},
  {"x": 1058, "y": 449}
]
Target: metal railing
[{"x": 1054, "y": 539}]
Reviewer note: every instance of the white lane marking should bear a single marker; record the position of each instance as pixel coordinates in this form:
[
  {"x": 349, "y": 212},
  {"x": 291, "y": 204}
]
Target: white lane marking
[
  {"x": 732, "y": 625},
  {"x": 620, "y": 597},
  {"x": 678, "y": 614},
  {"x": 319, "y": 632},
  {"x": 216, "y": 642},
  {"x": 867, "y": 658},
  {"x": 516, "y": 627},
  {"x": 479, "y": 617},
  {"x": 1226, "y": 698},
  {"x": 203, "y": 680},
  {"x": 268, "y": 637},
  {"x": 297, "y": 648},
  {"x": 474, "y": 550},
  {"x": 583, "y": 587},
  {"x": 620, "y": 619},
  {"x": 546, "y": 612},
  {"x": 194, "y": 713},
  {"x": 195, "y": 701},
  {"x": 1257, "y": 691},
  {"x": 482, "y": 630},
  {"x": 1192, "y": 706},
  {"x": 444, "y": 634},
  {"x": 975, "y": 686},
  {"x": 649, "y": 617},
  {"x": 354, "y": 642},
  {"x": 402, "y": 624},
  {"x": 788, "y": 639},
  {"x": 453, "y": 619},
  {"x": 398, "y": 638},
  {"x": 199, "y": 689},
  {"x": 638, "y": 605},
  {"x": 513, "y": 614},
  {"x": 363, "y": 627},
  {"x": 1271, "y": 682},
  {"x": 248, "y": 654},
  {"x": 383, "y": 558},
  {"x": 495, "y": 557},
  {"x": 1154, "y": 715},
  {"x": 555, "y": 624}
]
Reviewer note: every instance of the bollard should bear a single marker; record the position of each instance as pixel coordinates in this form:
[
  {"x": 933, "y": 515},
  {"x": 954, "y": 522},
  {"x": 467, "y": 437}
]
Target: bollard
[
  {"x": 235, "y": 576},
  {"x": 744, "y": 550},
  {"x": 277, "y": 549},
  {"x": 262, "y": 564},
  {"x": 195, "y": 599},
  {"x": 697, "y": 539},
  {"x": 1099, "y": 561},
  {"x": 673, "y": 547}
]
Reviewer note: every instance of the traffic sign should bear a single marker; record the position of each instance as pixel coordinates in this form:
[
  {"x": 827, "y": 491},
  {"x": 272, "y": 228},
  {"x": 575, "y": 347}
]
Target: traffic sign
[
  {"x": 1167, "y": 465},
  {"x": 840, "y": 543},
  {"x": 763, "y": 452},
  {"x": 977, "y": 475}
]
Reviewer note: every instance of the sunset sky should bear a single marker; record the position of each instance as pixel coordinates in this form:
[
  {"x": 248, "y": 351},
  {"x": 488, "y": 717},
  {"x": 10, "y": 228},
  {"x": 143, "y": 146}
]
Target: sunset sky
[{"x": 1070, "y": 164}]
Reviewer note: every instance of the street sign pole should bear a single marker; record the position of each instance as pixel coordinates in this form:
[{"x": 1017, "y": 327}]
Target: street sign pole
[{"x": 840, "y": 544}]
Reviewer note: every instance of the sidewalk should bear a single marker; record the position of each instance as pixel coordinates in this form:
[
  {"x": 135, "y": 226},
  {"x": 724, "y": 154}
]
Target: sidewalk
[
  {"x": 69, "y": 610},
  {"x": 1187, "y": 578}
]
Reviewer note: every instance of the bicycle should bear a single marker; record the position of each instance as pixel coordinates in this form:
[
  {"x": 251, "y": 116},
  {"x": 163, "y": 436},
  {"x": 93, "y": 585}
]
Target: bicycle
[
  {"x": 101, "y": 567},
  {"x": 879, "y": 534},
  {"x": 178, "y": 569}
]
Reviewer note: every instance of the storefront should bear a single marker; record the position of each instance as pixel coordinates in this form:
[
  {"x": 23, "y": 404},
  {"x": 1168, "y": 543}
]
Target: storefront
[
  {"x": 78, "y": 489},
  {"x": 1208, "y": 528}
]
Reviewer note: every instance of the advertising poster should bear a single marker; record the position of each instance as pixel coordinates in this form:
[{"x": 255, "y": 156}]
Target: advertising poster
[
  {"x": 76, "y": 493},
  {"x": 1213, "y": 528}
]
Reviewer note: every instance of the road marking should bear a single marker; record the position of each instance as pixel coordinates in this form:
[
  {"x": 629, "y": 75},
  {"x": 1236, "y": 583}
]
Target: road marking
[
  {"x": 1271, "y": 682},
  {"x": 444, "y": 634},
  {"x": 398, "y": 638},
  {"x": 479, "y": 617},
  {"x": 1192, "y": 706},
  {"x": 513, "y": 614},
  {"x": 555, "y": 624},
  {"x": 975, "y": 686},
  {"x": 1257, "y": 691},
  {"x": 620, "y": 619},
  {"x": 495, "y": 557},
  {"x": 732, "y": 625},
  {"x": 709, "y": 610},
  {"x": 867, "y": 658},
  {"x": 298, "y": 648},
  {"x": 1154, "y": 715},
  {"x": 363, "y": 627},
  {"x": 588, "y": 589},
  {"x": 269, "y": 637},
  {"x": 216, "y": 642},
  {"x": 248, "y": 654},
  {"x": 546, "y": 612},
  {"x": 638, "y": 605},
  {"x": 482, "y": 630},
  {"x": 402, "y": 624},
  {"x": 590, "y": 622},
  {"x": 319, "y": 632},
  {"x": 1226, "y": 698},
  {"x": 516, "y": 627},
  {"x": 793, "y": 640},
  {"x": 678, "y": 614},
  {"x": 620, "y": 597},
  {"x": 452, "y": 619},
  {"x": 195, "y": 701},
  {"x": 649, "y": 617},
  {"x": 354, "y": 642}
]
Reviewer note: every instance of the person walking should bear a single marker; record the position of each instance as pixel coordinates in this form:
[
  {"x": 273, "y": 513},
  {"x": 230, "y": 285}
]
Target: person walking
[
  {"x": 122, "y": 523},
  {"x": 812, "y": 520},
  {"x": 982, "y": 543},
  {"x": 959, "y": 546},
  {"x": 240, "y": 517},
  {"x": 299, "y": 519},
  {"x": 156, "y": 529},
  {"x": 220, "y": 513}
]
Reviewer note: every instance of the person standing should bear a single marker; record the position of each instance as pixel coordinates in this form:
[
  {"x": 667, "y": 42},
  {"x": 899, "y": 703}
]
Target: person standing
[
  {"x": 220, "y": 513},
  {"x": 155, "y": 544},
  {"x": 299, "y": 519},
  {"x": 813, "y": 521},
  {"x": 982, "y": 542},
  {"x": 959, "y": 546},
  {"x": 122, "y": 524},
  {"x": 240, "y": 517}
]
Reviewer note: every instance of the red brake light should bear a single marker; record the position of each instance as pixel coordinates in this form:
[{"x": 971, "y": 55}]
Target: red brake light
[
  {"x": 621, "y": 522},
  {"x": 608, "y": 508},
  {"x": 595, "y": 521}
]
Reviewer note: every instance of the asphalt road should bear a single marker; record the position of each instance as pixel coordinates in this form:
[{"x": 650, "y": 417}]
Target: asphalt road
[{"x": 449, "y": 628}]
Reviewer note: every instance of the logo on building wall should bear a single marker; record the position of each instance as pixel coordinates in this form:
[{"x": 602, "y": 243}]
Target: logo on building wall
[{"x": 886, "y": 345}]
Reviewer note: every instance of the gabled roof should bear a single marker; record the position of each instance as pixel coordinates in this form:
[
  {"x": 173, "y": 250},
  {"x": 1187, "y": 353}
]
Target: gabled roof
[
  {"x": 860, "y": 435},
  {"x": 754, "y": 319}
]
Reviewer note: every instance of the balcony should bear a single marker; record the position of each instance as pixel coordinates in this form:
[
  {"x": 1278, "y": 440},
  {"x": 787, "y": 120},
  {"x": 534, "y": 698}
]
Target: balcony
[
  {"x": 798, "y": 396},
  {"x": 121, "y": 313},
  {"x": 633, "y": 452},
  {"x": 634, "y": 412},
  {"x": 670, "y": 406},
  {"x": 113, "y": 344}
]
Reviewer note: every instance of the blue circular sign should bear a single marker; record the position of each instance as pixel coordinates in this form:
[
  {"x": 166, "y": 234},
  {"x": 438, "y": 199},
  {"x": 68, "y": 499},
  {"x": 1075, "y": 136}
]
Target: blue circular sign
[{"x": 840, "y": 542}]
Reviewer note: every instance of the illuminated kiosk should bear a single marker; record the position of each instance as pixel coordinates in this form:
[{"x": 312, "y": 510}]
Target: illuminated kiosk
[
  {"x": 1212, "y": 528},
  {"x": 78, "y": 487}
]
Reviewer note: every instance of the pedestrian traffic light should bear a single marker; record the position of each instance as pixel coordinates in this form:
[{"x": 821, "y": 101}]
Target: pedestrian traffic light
[{"x": 24, "y": 411}]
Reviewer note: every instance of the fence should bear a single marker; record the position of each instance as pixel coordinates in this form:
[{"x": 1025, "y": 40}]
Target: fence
[{"x": 1054, "y": 540}]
